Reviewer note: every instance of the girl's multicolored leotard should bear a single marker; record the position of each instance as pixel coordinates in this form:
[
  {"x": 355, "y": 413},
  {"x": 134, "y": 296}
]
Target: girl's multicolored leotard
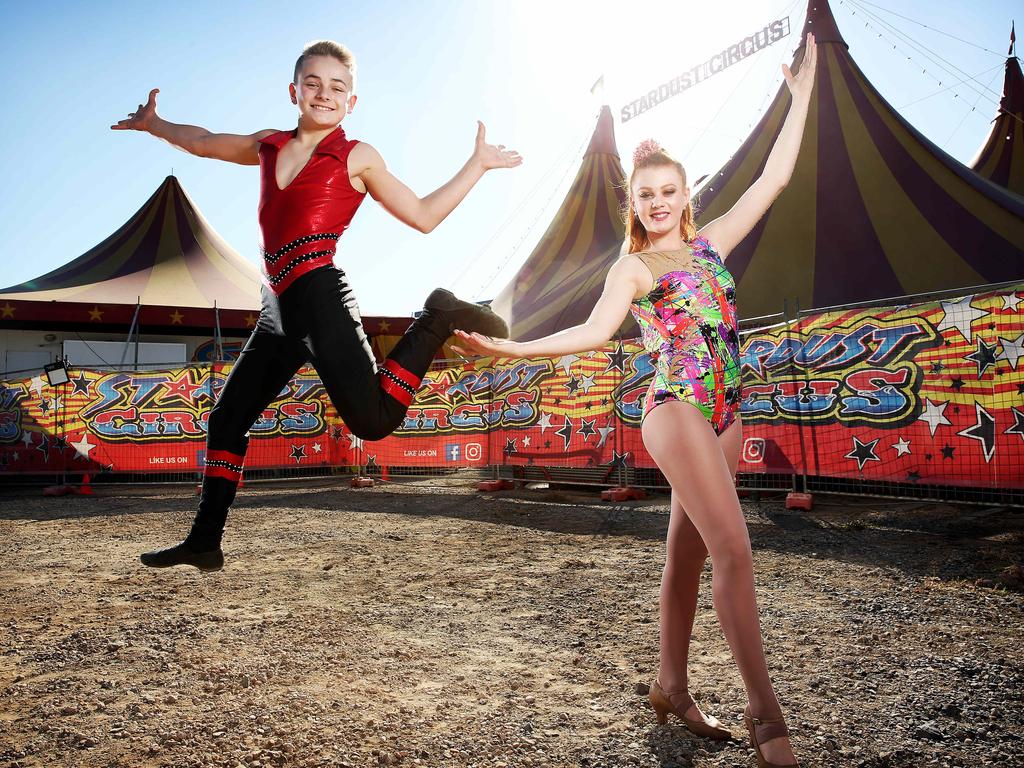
[{"x": 688, "y": 326}]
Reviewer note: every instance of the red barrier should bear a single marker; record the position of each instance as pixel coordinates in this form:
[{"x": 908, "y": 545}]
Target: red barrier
[{"x": 931, "y": 393}]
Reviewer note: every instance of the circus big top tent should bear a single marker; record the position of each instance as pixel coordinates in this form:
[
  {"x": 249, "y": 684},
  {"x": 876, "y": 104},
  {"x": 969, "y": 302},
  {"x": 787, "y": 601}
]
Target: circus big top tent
[
  {"x": 1001, "y": 157},
  {"x": 874, "y": 209},
  {"x": 562, "y": 278},
  {"x": 165, "y": 270}
]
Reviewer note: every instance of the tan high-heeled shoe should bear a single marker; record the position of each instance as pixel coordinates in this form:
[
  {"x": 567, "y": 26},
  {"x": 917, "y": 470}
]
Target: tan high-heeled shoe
[
  {"x": 770, "y": 729},
  {"x": 662, "y": 703}
]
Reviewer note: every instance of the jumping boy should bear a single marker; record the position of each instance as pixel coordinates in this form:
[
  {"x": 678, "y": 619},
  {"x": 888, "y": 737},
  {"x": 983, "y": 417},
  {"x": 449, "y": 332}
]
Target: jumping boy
[{"x": 312, "y": 181}]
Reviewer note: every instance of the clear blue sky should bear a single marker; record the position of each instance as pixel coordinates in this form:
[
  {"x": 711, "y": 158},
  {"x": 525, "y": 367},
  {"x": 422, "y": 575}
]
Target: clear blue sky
[{"x": 426, "y": 72}]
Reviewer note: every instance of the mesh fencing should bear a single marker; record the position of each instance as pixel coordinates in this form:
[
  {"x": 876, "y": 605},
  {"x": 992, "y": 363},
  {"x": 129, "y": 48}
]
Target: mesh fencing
[{"x": 917, "y": 400}]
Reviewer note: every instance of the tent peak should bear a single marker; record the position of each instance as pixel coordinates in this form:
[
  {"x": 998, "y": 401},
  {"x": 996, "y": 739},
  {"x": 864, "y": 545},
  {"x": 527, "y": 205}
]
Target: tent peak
[
  {"x": 822, "y": 23},
  {"x": 603, "y": 140}
]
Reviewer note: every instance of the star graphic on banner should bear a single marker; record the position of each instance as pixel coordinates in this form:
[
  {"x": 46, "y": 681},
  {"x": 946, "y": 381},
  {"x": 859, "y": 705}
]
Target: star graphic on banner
[
  {"x": 604, "y": 432},
  {"x": 565, "y": 432},
  {"x": 914, "y": 476},
  {"x": 984, "y": 431},
  {"x": 337, "y": 433},
  {"x": 26, "y": 438},
  {"x": 1018, "y": 423},
  {"x": 947, "y": 451},
  {"x": 984, "y": 356},
  {"x": 44, "y": 406},
  {"x": 176, "y": 317},
  {"x": 1020, "y": 388},
  {"x": 510, "y": 446},
  {"x": 95, "y": 315},
  {"x": 526, "y": 441},
  {"x": 616, "y": 359},
  {"x": 298, "y": 453},
  {"x": 317, "y": 448},
  {"x": 566, "y": 361},
  {"x": 544, "y": 421},
  {"x": 182, "y": 388},
  {"x": 1012, "y": 350},
  {"x": 960, "y": 314},
  {"x": 83, "y": 446},
  {"x": 586, "y": 382},
  {"x": 572, "y": 385},
  {"x": 56, "y": 404},
  {"x": 938, "y": 367},
  {"x": 439, "y": 388},
  {"x": 37, "y": 385},
  {"x": 7, "y": 311},
  {"x": 354, "y": 443},
  {"x": 383, "y": 326},
  {"x": 371, "y": 462},
  {"x": 558, "y": 400},
  {"x": 44, "y": 448},
  {"x": 957, "y": 383},
  {"x": 15, "y": 456},
  {"x": 1010, "y": 301},
  {"x": 902, "y": 446},
  {"x": 547, "y": 443},
  {"x": 250, "y": 320},
  {"x": 618, "y": 460},
  {"x": 81, "y": 385},
  {"x": 587, "y": 428},
  {"x": 60, "y": 444},
  {"x": 934, "y": 415},
  {"x": 863, "y": 452}
]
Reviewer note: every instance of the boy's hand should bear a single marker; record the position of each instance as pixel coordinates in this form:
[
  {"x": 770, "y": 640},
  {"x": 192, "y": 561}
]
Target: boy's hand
[
  {"x": 490, "y": 156},
  {"x": 142, "y": 118}
]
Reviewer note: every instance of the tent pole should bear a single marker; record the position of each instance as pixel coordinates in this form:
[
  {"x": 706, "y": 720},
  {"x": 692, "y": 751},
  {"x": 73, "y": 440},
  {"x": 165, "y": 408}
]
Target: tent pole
[
  {"x": 131, "y": 330},
  {"x": 218, "y": 341}
]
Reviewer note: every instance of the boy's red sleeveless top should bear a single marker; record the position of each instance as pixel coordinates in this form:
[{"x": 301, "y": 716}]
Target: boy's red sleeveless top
[{"x": 300, "y": 224}]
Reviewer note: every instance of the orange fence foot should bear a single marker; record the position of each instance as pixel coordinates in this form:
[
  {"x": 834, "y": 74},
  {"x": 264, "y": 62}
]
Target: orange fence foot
[
  {"x": 85, "y": 489},
  {"x": 804, "y": 501},
  {"x": 362, "y": 482},
  {"x": 495, "y": 485},
  {"x": 622, "y": 494}
]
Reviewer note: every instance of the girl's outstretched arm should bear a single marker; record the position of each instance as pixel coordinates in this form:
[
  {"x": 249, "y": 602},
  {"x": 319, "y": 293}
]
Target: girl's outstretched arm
[
  {"x": 731, "y": 227},
  {"x": 627, "y": 278},
  {"x": 425, "y": 213}
]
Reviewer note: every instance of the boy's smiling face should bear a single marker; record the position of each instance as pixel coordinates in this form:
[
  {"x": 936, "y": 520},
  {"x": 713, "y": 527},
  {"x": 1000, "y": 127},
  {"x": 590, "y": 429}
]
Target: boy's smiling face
[{"x": 323, "y": 92}]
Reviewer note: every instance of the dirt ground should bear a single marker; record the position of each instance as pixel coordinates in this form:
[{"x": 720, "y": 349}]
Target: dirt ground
[{"x": 427, "y": 624}]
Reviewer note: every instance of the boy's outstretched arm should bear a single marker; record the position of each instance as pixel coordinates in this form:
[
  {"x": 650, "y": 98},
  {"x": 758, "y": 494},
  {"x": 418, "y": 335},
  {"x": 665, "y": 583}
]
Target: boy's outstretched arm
[
  {"x": 231, "y": 147},
  {"x": 425, "y": 213}
]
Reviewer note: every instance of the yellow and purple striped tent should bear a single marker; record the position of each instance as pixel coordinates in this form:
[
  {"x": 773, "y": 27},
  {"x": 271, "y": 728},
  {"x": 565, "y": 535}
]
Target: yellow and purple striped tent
[
  {"x": 561, "y": 280},
  {"x": 874, "y": 209},
  {"x": 1001, "y": 157}
]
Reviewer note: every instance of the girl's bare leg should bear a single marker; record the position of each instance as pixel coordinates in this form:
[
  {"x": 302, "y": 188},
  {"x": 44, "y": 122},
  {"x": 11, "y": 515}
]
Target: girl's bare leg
[
  {"x": 686, "y": 554},
  {"x": 691, "y": 456}
]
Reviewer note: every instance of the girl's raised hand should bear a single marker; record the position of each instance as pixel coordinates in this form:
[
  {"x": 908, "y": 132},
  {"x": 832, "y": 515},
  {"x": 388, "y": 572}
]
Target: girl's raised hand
[{"x": 802, "y": 83}]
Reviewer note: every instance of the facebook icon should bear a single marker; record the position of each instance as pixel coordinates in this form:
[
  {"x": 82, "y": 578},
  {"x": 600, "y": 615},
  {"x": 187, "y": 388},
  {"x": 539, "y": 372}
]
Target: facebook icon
[{"x": 452, "y": 452}]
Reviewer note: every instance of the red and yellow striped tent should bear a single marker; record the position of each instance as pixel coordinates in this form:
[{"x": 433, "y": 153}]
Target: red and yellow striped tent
[
  {"x": 1001, "y": 157},
  {"x": 168, "y": 263},
  {"x": 874, "y": 209},
  {"x": 562, "y": 279}
]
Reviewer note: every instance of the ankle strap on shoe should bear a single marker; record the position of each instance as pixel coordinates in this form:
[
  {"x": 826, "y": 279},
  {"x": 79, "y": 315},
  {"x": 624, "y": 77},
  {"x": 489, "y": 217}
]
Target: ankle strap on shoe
[{"x": 768, "y": 729}]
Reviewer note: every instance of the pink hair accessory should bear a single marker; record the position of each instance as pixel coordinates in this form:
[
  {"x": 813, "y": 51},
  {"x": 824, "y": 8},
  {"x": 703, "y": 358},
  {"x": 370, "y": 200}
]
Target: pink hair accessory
[{"x": 645, "y": 149}]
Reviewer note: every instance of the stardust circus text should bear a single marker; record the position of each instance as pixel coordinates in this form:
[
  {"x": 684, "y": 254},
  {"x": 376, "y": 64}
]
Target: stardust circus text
[{"x": 734, "y": 54}]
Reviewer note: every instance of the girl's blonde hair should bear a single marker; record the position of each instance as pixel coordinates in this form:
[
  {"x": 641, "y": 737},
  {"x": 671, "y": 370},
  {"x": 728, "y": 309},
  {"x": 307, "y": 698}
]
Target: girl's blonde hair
[{"x": 648, "y": 154}]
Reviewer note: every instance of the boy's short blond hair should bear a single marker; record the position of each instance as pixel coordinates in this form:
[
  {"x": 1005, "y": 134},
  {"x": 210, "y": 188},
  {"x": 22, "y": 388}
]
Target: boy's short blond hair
[{"x": 327, "y": 48}]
